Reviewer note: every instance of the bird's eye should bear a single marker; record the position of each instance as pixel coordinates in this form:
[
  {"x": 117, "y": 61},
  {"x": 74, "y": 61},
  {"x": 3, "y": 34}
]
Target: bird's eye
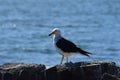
[{"x": 55, "y": 30}]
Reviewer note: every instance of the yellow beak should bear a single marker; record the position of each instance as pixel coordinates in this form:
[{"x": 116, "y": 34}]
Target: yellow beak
[{"x": 51, "y": 33}]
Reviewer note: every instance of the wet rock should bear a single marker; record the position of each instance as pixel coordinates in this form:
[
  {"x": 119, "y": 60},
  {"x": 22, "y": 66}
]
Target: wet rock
[
  {"x": 51, "y": 74},
  {"x": 107, "y": 76},
  {"x": 80, "y": 71},
  {"x": 71, "y": 71},
  {"x": 20, "y": 71},
  {"x": 118, "y": 72},
  {"x": 27, "y": 75},
  {"x": 8, "y": 76},
  {"x": 67, "y": 71},
  {"x": 0, "y": 76}
]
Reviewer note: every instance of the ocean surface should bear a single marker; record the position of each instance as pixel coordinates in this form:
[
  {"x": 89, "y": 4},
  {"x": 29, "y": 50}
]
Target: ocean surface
[{"x": 93, "y": 25}]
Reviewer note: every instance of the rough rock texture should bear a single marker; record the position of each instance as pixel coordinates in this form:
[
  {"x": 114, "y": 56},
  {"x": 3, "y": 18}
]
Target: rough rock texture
[
  {"x": 20, "y": 71},
  {"x": 80, "y": 71},
  {"x": 107, "y": 76},
  {"x": 68, "y": 71}
]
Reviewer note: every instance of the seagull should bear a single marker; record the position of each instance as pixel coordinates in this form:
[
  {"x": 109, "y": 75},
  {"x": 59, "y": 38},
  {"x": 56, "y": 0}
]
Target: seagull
[{"x": 65, "y": 47}]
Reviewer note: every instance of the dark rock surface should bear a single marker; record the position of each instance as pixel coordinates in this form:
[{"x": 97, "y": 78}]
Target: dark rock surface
[
  {"x": 80, "y": 71},
  {"x": 68, "y": 71},
  {"x": 20, "y": 71},
  {"x": 107, "y": 76}
]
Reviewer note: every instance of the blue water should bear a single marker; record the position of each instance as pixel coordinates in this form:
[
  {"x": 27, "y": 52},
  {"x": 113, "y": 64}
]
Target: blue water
[{"x": 94, "y": 25}]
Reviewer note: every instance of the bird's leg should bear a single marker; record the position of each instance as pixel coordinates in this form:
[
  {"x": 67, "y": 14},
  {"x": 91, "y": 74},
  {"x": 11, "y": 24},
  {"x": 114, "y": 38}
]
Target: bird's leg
[
  {"x": 66, "y": 59},
  {"x": 62, "y": 59}
]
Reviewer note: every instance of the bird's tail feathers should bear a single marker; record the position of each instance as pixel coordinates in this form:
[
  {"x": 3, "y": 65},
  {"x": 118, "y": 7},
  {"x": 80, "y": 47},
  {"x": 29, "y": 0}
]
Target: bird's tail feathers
[{"x": 84, "y": 52}]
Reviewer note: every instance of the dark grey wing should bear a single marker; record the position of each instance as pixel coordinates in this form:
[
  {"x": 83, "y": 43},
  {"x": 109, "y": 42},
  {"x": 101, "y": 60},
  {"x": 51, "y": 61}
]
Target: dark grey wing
[{"x": 68, "y": 46}]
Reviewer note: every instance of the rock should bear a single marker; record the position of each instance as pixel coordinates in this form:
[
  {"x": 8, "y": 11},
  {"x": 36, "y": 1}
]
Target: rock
[
  {"x": 80, "y": 71},
  {"x": 71, "y": 71},
  {"x": 118, "y": 72},
  {"x": 27, "y": 75},
  {"x": 107, "y": 76},
  {"x": 20, "y": 71},
  {"x": 0, "y": 76},
  {"x": 8, "y": 76},
  {"x": 67, "y": 71},
  {"x": 51, "y": 74}
]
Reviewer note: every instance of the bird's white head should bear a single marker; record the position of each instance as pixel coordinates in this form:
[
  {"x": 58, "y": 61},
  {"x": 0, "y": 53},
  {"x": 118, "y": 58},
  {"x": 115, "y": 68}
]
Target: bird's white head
[{"x": 55, "y": 31}]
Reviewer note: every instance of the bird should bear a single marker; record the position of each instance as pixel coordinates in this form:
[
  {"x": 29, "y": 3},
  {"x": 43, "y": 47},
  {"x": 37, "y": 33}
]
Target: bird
[{"x": 65, "y": 47}]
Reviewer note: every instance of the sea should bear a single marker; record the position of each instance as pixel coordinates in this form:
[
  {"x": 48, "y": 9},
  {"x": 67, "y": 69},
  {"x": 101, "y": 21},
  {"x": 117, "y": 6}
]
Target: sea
[{"x": 93, "y": 25}]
